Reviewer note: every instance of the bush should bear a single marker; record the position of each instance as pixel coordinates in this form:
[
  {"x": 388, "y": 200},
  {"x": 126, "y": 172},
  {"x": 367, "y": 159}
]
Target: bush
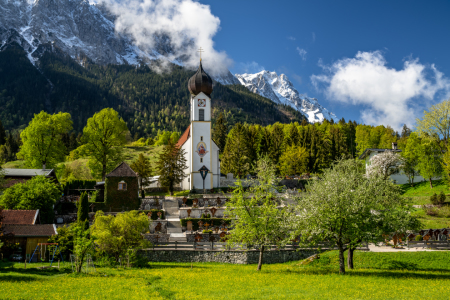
[
  {"x": 434, "y": 199},
  {"x": 418, "y": 238},
  {"x": 441, "y": 198}
]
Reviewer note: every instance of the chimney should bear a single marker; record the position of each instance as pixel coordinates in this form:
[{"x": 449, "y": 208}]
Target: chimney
[{"x": 394, "y": 146}]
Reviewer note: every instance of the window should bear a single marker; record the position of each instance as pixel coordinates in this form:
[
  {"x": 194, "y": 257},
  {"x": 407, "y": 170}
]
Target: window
[
  {"x": 122, "y": 186},
  {"x": 201, "y": 115},
  {"x": 201, "y": 138},
  {"x": 201, "y": 160}
]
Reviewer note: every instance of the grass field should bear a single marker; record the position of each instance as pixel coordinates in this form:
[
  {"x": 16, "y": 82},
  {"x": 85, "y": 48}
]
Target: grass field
[{"x": 413, "y": 275}]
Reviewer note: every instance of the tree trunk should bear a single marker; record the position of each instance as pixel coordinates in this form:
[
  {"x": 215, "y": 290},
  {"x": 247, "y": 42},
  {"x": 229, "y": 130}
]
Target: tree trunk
[
  {"x": 341, "y": 260},
  {"x": 261, "y": 253},
  {"x": 350, "y": 258},
  {"x": 103, "y": 172},
  {"x": 431, "y": 184}
]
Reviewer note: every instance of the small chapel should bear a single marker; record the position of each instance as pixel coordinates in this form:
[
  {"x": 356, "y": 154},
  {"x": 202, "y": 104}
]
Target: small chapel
[{"x": 202, "y": 153}]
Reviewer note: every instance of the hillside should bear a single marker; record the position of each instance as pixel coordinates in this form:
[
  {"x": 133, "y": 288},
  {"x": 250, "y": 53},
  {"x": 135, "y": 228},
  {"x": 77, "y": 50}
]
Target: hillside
[{"x": 147, "y": 101}]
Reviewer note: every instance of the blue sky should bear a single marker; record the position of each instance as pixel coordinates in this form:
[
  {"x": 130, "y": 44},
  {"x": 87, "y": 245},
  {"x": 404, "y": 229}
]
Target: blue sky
[{"x": 403, "y": 65}]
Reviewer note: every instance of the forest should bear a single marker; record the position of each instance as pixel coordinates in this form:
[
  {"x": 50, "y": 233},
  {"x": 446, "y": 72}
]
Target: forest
[{"x": 147, "y": 101}]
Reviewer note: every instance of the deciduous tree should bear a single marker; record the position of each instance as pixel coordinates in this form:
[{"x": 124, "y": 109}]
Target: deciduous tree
[
  {"x": 42, "y": 145},
  {"x": 294, "y": 160},
  {"x": 435, "y": 124},
  {"x": 385, "y": 164},
  {"x": 143, "y": 168},
  {"x": 103, "y": 138}
]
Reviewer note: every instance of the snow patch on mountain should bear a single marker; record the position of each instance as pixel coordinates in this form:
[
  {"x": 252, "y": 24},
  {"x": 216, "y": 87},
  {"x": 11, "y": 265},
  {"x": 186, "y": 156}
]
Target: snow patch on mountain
[{"x": 281, "y": 91}]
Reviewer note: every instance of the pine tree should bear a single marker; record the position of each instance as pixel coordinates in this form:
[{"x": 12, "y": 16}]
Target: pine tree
[
  {"x": 83, "y": 210},
  {"x": 143, "y": 168},
  {"x": 220, "y": 132},
  {"x": 171, "y": 165},
  {"x": 235, "y": 157},
  {"x": 2, "y": 134},
  {"x": 405, "y": 131}
]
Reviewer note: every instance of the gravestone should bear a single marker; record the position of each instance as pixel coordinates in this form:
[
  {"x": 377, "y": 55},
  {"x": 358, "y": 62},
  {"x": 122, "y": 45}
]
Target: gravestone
[
  {"x": 230, "y": 176},
  {"x": 198, "y": 238},
  {"x": 189, "y": 213},
  {"x": 200, "y": 225},
  {"x": 184, "y": 201},
  {"x": 195, "y": 202},
  {"x": 216, "y": 229},
  {"x": 219, "y": 202},
  {"x": 189, "y": 226},
  {"x": 147, "y": 206},
  {"x": 213, "y": 212},
  {"x": 159, "y": 215},
  {"x": 158, "y": 227}
]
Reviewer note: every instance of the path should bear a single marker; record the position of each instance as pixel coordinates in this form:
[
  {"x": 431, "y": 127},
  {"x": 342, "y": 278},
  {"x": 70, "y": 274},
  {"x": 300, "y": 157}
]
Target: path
[
  {"x": 373, "y": 248},
  {"x": 173, "y": 221}
]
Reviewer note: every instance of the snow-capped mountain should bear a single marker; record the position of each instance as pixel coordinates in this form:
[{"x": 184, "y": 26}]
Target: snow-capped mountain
[
  {"x": 76, "y": 27},
  {"x": 280, "y": 90}
]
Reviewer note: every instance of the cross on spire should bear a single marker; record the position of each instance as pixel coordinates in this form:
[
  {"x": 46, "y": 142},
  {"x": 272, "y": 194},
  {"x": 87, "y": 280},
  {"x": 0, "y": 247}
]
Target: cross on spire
[{"x": 200, "y": 50}]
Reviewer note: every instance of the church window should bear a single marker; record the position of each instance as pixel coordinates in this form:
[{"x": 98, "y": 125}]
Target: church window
[
  {"x": 201, "y": 138},
  {"x": 122, "y": 186},
  {"x": 201, "y": 115},
  {"x": 201, "y": 159}
]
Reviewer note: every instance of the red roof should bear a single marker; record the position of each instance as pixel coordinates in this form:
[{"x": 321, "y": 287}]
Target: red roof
[
  {"x": 19, "y": 217},
  {"x": 184, "y": 137},
  {"x": 30, "y": 230}
]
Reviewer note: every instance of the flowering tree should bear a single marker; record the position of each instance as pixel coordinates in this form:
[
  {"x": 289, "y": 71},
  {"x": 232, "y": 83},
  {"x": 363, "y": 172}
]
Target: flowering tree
[
  {"x": 347, "y": 208},
  {"x": 385, "y": 164}
]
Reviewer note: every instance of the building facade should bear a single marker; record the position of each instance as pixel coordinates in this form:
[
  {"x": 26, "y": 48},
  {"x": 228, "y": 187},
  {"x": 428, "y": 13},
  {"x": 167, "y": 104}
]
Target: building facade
[{"x": 201, "y": 151}]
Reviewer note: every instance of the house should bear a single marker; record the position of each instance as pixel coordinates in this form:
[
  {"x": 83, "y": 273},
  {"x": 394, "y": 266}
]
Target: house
[
  {"x": 121, "y": 189},
  {"x": 22, "y": 227},
  {"x": 14, "y": 176},
  {"x": 400, "y": 177}
]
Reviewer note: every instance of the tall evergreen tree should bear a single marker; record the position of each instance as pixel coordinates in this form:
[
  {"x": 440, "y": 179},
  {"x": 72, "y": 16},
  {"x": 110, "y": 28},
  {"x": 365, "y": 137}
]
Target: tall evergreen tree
[
  {"x": 220, "y": 132},
  {"x": 171, "y": 165},
  {"x": 83, "y": 210},
  {"x": 235, "y": 158},
  {"x": 2, "y": 134}
]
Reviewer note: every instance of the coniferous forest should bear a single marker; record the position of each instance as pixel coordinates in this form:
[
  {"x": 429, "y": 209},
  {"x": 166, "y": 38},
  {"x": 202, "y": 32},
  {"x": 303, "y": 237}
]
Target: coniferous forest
[{"x": 146, "y": 100}]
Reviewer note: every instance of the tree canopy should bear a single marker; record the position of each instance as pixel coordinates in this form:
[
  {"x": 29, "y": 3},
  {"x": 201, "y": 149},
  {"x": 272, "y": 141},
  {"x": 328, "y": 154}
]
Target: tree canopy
[{"x": 171, "y": 165}]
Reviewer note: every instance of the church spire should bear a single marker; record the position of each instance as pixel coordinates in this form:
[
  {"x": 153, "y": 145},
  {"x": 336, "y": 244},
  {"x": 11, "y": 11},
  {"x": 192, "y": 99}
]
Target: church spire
[{"x": 200, "y": 82}]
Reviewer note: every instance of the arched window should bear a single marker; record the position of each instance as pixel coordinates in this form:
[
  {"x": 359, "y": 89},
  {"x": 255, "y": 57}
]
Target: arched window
[
  {"x": 122, "y": 186},
  {"x": 201, "y": 115}
]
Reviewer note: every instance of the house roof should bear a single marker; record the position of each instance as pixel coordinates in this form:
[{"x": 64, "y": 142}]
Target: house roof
[
  {"x": 184, "y": 137},
  {"x": 368, "y": 150},
  {"x": 122, "y": 170},
  {"x": 19, "y": 217},
  {"x": 27, "y": 172},
  {"x": 30, "y": 230}
]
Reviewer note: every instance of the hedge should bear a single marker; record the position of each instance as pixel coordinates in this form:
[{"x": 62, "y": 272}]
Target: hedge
[{"x": 78, "y": 184}]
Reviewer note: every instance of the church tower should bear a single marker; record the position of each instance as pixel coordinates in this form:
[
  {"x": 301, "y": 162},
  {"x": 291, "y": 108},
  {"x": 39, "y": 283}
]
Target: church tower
[{"x": 201, "y": 151}]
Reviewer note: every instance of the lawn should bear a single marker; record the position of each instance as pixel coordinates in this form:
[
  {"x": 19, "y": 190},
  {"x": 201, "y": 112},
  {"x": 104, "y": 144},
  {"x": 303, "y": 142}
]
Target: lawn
[{"x": 411, "y": 275}]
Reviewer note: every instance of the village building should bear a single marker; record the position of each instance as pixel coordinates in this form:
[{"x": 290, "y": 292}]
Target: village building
[
  {"x": 399, "y": 177},
  {"x": 121, "y": 189},
  {"x": 14, "y": 176},
  {"x": 23, "y": 227},
  {"x": 201, "y": 151}
]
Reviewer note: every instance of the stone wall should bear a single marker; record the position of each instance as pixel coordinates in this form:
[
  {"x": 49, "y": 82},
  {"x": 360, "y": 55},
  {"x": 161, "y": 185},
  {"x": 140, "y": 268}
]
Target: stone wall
[{"x": 232, "y": 257}]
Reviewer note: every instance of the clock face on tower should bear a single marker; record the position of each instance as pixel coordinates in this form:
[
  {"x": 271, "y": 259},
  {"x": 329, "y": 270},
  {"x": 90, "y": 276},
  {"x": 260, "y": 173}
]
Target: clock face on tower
[{"x": 201, "y": 102}]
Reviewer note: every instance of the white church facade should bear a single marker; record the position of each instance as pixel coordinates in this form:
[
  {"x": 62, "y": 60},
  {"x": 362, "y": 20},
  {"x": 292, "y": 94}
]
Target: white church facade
[{"x": 201, "y": 151}]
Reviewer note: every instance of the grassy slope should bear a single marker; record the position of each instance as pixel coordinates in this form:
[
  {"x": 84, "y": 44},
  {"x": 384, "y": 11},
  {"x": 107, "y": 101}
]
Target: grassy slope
[
  {"x": 420, "y": 194},
  {"x": 377, "y": 276}
]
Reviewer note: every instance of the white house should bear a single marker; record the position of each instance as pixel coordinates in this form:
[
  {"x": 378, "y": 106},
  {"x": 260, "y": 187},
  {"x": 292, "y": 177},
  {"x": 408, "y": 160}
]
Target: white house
[
  {"x": 201, "y": 150},
  {"x": 400, "y": 177}
]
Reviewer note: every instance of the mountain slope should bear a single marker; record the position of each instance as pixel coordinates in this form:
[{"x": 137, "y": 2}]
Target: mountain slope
[
  {"x": 281, "y": 91},
  {"x": 147, "y": 101}
]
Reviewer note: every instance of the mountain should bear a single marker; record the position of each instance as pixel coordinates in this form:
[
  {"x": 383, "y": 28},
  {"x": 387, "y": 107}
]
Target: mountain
[{"x": 281, "y": 91}]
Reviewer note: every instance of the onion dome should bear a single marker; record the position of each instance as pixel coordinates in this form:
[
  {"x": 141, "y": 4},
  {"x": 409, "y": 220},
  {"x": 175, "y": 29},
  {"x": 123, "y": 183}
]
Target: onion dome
[{"x": 200, "y": 82}]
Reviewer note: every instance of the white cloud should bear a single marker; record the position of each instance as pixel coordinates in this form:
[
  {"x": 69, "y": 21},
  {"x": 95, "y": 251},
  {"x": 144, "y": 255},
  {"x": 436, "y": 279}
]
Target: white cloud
[
  {"x": 388, "y": 94},
  {"x": 187, "y": 23},
  {"x": 248, "y": 67},
  {"x": 291, "y": 38},
  {"x": 302, "y": 53}
]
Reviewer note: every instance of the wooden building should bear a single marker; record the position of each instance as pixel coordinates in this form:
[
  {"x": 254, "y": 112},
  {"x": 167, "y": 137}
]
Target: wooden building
[{"x": 14, "y": 176}]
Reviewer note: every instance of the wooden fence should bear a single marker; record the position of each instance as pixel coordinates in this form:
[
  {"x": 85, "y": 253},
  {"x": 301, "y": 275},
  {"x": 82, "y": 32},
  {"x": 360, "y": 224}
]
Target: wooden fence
[{"x": 429, "y": 244}]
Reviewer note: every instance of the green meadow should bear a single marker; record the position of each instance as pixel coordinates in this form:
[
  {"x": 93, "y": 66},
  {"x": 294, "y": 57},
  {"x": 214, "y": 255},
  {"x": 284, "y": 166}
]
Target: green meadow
[{"x": 410, "y": 275}]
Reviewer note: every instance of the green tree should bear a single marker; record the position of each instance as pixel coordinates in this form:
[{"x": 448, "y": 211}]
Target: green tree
[
  {"x": 256, "y": 217},
  {"x": 2, "y": 134},
  {"x": 120, "y": 235},
  {"x": 143, "y": 168},
  {"x": 42, "y": 140},
  {"x": 220, "y": 132},
  {"x": 435, "y": 124},
  {"x": 38, "y": 193},
  {"x": 430, "y": 159},
  {"x": 294, "y": 160},
  {"x": 83, "y": 244},
  {"x": 236, "y": 154},
  {"x": 171, "y": 165},
  {"x": 103, "y": 138},
  {"x": 64, "y": 239},
  {"x": 347, "y": 208},
  {"x": 410, "y": 156},
  {"x": 83, "y": 210}
]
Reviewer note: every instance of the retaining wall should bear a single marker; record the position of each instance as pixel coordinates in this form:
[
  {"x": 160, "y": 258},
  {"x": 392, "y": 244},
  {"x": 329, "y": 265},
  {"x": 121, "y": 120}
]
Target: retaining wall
[{"x": 232, "y": 257}]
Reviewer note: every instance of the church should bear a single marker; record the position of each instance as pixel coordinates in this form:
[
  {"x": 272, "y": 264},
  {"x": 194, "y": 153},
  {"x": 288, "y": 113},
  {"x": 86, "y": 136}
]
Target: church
[{"x": 202, "y": 153}]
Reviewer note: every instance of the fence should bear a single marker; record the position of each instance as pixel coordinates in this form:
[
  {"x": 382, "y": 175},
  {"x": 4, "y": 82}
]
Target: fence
[
  {"x": 218, "y": 246},
  {"x": 429, "y": 244}
]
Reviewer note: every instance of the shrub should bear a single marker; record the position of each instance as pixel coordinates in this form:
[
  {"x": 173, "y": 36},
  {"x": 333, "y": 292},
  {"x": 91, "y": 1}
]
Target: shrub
[
  {"x": 207, "y": 231},
  {"x": 441, "y": 198},
  {"x": 418, "y": 238},
  {"x": 434, "y": 199}
]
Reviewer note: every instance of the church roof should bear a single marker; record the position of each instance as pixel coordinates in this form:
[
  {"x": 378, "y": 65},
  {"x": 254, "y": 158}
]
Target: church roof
[
  {"x": 184, "y": 137},
  {"x": 200, "y": 82},
  {"x": 122, "y": 170}
]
